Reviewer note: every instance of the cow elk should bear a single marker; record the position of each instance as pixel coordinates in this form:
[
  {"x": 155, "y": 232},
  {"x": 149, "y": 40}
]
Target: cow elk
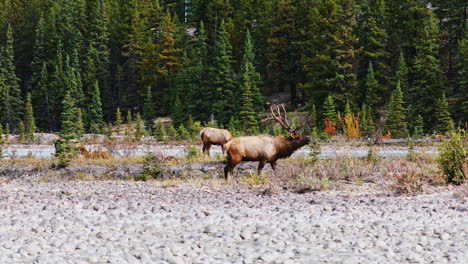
[
  {"x": 214, "y": 136},
  {"x": 264, "y": 148}
]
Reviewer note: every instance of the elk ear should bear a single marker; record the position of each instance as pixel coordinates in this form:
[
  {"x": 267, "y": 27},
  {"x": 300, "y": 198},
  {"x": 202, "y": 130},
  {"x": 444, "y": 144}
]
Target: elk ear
[{"x": 294, "y": 134}]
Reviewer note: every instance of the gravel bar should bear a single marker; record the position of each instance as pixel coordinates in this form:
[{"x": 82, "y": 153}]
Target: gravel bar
[{"x": 147, "y": 222}]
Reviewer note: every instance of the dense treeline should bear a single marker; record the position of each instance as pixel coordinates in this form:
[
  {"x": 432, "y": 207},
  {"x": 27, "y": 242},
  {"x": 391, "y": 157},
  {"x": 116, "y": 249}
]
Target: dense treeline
[{"x": 80, "y": 60}]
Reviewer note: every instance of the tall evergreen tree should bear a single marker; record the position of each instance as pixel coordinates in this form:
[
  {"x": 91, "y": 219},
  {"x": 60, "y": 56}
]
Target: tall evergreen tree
[
  {"x": 247, "y": 114},
  {"x": 444, "y": 123},
  {"x": 30, "y": 124},
  {"x": 11, "y": 105},
  {"x": 396, "y": 119},
  {"x": 462, "y": 80},
  {"x": 118, "y": 120},
  {"x": 401, "y": 75},
  {"x": 149, "y": 111},
  {"x": 95, "y": 120},
  {"x": 426, "y": 72},
  {"x": 248, "y": 70},
  {"x": 177, "y": 113},
  {"x": 372, "y": 40},
  {"x": 283, "y": 52},
  {"x": 68, "y": 117},
  {"x": 372, "y": 87},
  {"x": 329, "y": 111},
  {"x": 221, "y": 75}
]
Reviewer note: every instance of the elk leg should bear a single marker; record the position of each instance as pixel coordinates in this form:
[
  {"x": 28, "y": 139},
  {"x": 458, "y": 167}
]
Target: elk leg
[
  {"x": 232, "y": 162},
  {"x": 260, "y": 166},
  {"x": 273, "y": 165}
]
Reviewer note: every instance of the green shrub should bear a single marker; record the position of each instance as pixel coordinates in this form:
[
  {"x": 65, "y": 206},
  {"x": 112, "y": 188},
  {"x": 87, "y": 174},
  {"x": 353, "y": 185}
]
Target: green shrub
[
  {"x": 411, "y": 155},
  {"x": 452, "y": 157},
  {"x": 151, "y": 169},
  {"x": 314, "y": 147},
  {"x": 65, "y": 150},
  {"x": 192, "y": 152}
]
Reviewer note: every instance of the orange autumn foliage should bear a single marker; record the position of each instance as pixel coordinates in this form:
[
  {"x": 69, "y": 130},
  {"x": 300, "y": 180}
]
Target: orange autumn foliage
[
  {"x": 350, "y": 124},
  {"x": 329, "y": 127}
]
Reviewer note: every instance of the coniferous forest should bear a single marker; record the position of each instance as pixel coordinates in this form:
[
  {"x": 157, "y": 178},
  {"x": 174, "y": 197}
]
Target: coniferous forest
[{"x": 68, "y": 62}]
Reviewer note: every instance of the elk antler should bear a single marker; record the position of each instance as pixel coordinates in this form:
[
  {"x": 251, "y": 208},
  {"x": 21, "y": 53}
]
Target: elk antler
[{"x": 278, "y": 117}]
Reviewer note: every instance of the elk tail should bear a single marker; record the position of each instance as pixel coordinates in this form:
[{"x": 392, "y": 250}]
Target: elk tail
[{"x": 202, "y": 133}]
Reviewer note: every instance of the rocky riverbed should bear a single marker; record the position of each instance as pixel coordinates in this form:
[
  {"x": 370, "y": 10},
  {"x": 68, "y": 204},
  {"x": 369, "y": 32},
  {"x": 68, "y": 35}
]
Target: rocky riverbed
[{"x": 153, "y": 222}]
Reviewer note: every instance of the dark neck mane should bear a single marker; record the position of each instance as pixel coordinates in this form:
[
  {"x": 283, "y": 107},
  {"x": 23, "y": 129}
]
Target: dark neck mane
[{"x": 286, "y": 146}]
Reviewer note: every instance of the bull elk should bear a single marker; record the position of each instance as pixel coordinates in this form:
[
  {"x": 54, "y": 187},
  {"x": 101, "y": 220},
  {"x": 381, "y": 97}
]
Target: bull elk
[
  {"x": 214, "y": 136},
  {"x": 264, "y": 148}
]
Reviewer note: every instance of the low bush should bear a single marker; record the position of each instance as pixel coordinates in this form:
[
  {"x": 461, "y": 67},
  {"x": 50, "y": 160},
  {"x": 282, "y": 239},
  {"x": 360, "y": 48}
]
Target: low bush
[
  {"x": 452, "y": 157},
  {"x": 151, "y": 169}
]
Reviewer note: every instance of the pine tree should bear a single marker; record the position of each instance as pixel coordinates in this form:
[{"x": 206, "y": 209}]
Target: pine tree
[
  {"x": 96, "y": 122},
  {"x": 11, "y": 105},
  {"x": 183, "y": 133},
  {"x": 396, "y": 119},
  {"x": 252, "y": 76},
  {"x": 159, "y": 131},
  {"x": 233, "y": 127},
  {"x": 80, "y": 130},
  {"x": 177, "y": 113},
  {"x": 41, "y": 100},
  {"x": 190, "y": 126},
  {"x": 221, "y": 73},
  {"x": 1, "y": 134},
  {"x": 329, "y": 110},
  {"x": 39, "y": 58},
  {"x": 283, "y": 52},
  {"x": 118, "y": 120},
  {"x": 138, "y": 127},
  {"x": 444, "y": 123},
  {"x": 372, "y": 87},
  {"x": 21, "y": 135},
  {"x": 171, "y": 132},
  {"x": 418, "y": 129},
  {"x": 149, "y": 111},
  {"x": 426, "y": 72},
  {"x": 30, "y": 124},
  {"x": 372, "y": 40},
  {"x": 370, "y": 121},
  {"x": 68, "y": 118},
  {"x": 462, "y": 79},
  {"x": 247, "y": 115},
  {"x": 363, "y": 122},
  {"x": 128, "y": 122},
  {"x": 401, "y": 74}
]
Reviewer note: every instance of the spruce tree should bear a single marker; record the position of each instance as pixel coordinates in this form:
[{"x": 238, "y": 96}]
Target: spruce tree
[
  {"x": 444, "y": 123},
  {"x": 30, "y": 124},
  {"x": 247, "y": 114},
  {"x": 221, "y": 73},
  {"x": 183, "y": 134},
  {"x": 128, "y": 122},
  {"x": 233, "y": 127},
  {"x": 80, "y": 130},
  {"x": 177, "y": 113},
  {"x": 118, "y": 120},
  {"x": 329, "y": 111},
  {"x": 11, "y": 105},
  {"x": 96, "y": 122},
  {"x": 149, "y": 111},
  {"x": 401, "y": 75},
  {"x": 396, "y": 119},
  {"x": 171, "y": 132},
  {"x": 21, "y": 135},
  {"x": 418, "y": 129},
  {"x": 462, "y": 79},
  {"x": 159, "y": 132},
  {"x": 372, "y": 87},
  {"x": 426, "y": 72},
  {"x": 363, "y": 124},
  {"x": 251, "y": 76},
  {"x": 370, "y": 121},
  {"x": 68, "y": 128},
  {"x": 1, "y": 134},
  {"x": 373, "y": 38},
  {"x": 138, "y": 127}
]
